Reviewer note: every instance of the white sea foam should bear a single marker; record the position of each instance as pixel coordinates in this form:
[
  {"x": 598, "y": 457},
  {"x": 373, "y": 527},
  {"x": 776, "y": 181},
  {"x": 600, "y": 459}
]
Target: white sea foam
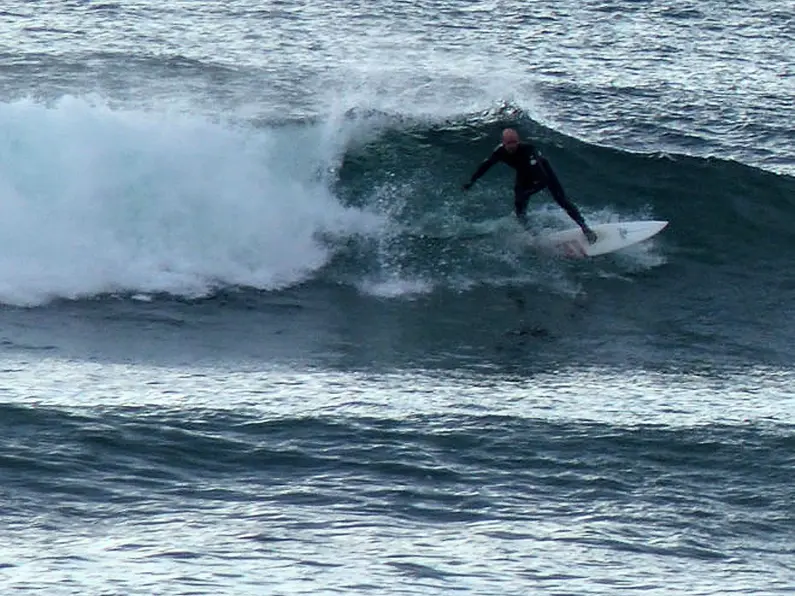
[{"x": 97, "y": 200}]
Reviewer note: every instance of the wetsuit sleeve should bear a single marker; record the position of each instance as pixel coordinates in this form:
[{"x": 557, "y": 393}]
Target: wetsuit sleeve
[
  {"x": 556, "y": 189},
  {"x": 485, "y": 165}
]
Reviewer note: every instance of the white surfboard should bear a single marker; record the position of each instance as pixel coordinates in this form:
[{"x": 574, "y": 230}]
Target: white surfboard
[{"x": 610, "y": 238}]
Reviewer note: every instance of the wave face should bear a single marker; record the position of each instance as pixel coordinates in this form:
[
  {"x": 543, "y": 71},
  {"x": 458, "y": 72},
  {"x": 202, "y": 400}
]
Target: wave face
[{"x": 101, "y": 200}]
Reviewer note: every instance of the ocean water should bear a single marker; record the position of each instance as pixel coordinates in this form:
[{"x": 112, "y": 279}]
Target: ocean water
[{"x": 255, "y": 340}]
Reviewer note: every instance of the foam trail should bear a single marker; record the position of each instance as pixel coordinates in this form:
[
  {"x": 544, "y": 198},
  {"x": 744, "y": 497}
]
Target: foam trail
[{"x": 99, "y": 200}]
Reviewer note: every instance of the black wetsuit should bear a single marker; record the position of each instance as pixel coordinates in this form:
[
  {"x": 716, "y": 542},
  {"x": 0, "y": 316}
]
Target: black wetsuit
[{"x": 533, "y": 173}]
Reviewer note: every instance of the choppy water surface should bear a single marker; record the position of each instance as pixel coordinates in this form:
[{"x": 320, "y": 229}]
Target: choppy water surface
[{"x": 255, "y": 339}]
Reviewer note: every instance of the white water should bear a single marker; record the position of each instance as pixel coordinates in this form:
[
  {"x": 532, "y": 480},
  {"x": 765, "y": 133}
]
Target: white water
[{"x": 99, "y": 200}]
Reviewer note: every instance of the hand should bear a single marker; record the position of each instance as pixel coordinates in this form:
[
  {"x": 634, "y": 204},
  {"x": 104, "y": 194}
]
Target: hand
[
  {"x": 590, "y": 235},
  {"x": 467, "y": 186}
]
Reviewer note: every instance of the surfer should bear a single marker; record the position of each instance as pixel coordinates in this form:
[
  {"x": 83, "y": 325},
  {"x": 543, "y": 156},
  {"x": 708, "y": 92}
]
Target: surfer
[{"x": 533, "y": 173}]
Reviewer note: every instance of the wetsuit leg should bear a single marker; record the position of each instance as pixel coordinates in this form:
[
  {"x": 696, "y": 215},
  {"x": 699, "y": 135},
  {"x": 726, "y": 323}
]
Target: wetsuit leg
[
  {"x": 556, "y": 190},
  {"x": 521, "y": 199},
  {"x": 522, "y": 196}
]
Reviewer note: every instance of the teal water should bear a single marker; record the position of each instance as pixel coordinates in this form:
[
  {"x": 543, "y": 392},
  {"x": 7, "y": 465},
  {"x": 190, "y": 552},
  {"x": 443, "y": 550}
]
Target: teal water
[{"x": 254, "y": 339}]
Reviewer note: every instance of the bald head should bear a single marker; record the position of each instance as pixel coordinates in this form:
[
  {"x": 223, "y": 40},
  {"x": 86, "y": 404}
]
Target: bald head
[{"x": 510, "y": 139}]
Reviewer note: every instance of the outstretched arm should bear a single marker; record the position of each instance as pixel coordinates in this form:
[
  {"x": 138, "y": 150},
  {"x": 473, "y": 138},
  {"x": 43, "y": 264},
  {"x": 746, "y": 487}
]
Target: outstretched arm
[{"x": 483, "y": 168}]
